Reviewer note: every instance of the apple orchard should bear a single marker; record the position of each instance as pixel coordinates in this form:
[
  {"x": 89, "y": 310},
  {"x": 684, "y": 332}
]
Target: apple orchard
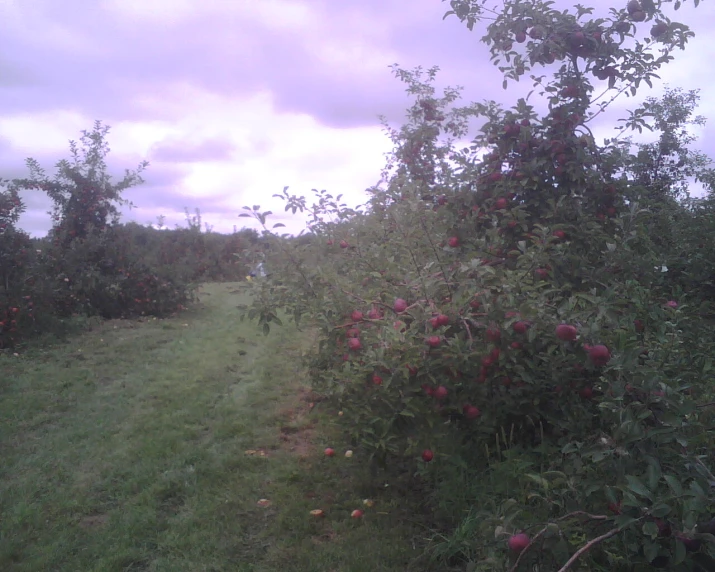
[{"x": 503, "y": 309}]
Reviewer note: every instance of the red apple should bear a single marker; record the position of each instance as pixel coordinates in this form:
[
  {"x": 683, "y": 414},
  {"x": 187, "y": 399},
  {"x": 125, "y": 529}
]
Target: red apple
[
  {"x": 356, "y": 316},
  {"x": 471, "y": 412},
  {"x": 427, "y": 455},
  {"x": 344, "y": 244},
  {"x": 357, "y": 513},
  {"x": 639, "y": 325},
  {"x": 600, "y": 355},
  {"x": 560, "y": 234},
  {"x": 440, "y": 393},
  {"x": 400, "y": 305},
  {"x": 493, "y": 335},
  {"x": 329, "y": 452},
  {"x": 586, "y": 393},
  {"x": 453, "y": 241},
  {"x": 521, "y": 327},
  {"x": 566, "y": 332},
  {"x": 354, "y": 344},
  {"x": 518, "y": 542},
  {"x": 501, "y": 203},
  {"x": 671, "y": 304},
  {"x": 374, "y": 314},
  {"x": 376, "y": 379},
  {"x": 353, "y": 333},
  {"x": 443, "y": 320},
  {"x": 433, "y": 341}
]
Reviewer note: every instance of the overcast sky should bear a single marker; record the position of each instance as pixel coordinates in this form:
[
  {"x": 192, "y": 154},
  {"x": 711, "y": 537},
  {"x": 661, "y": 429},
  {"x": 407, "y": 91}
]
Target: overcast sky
[{"x": 231, "y": 100}]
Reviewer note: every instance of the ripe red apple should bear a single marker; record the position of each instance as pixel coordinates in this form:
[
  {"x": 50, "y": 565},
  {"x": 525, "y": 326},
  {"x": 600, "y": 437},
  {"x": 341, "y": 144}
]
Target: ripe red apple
[
  {"x": 400, "y": 305},
  {"x": 474, "y": 304},
  {"x": 521, "y": 327},
  {"x": 658, "y": 30},
  {"x": 374, "y": 314},
  {"x": 638, "y": 16},
  {"x": 453, "y": 241},
  {"x": 471, "y": 412},
  {"x": 586, "y": 393},
  {"x": 354, "y": 344},
  {"x": 639, "y": 325},
  {"x": 518, "y": 542},
  {"x": 433, "y": 341},
  {"x": 634, "y": 6},
  {"x": 376, "y": 379},
  {"x": 541, "y": 273},
  {"x": 329, "y": 452},
  {"x": 570, "y": 90},
  {"x": 330, "y": 243},
  {"x": 356, "y": 316},
  {"x": 560, "y": 234},
  {"x": 671, "y": 304},
  {"x": 691, "y": 544},
  {"x": 443, "y": 320},
  {"x": 494, "y": 335},
  {"x": 501, "y": 203},
  {"x": 520, "y": 37},
  {"x": 353, "y": 333},
  {"x": 427, "y": 455},
  {"x": 344, "y": 244},
  {"x": 427, "y": 389},
  {"x": 566, "y": 332},
  {"x": 600, "y": 355},
  {"x": 357, "y": 513},
  {"x": 515, "y": 345},
  {"x": 440, "y": 393}
]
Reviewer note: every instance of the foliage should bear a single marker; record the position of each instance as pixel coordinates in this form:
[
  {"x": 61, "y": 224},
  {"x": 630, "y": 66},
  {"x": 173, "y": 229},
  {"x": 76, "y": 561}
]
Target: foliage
[
  {"x": 91, "y": 264},
  {"x": 505, "y": 305}
]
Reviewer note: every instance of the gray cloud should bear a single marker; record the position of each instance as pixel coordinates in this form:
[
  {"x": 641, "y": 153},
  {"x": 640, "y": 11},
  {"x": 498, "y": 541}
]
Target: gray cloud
[
  {"x": 102, "y": 66},
  {"x": 188, "y": 151}
]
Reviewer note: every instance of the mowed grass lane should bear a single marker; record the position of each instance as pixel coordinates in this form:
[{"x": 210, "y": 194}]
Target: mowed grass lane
[{"x": 147, "y": 446}]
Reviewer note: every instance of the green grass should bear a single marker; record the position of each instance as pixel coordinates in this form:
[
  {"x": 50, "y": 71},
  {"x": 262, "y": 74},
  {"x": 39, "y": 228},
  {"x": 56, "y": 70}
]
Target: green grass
[{"x": 129, "y": 448}]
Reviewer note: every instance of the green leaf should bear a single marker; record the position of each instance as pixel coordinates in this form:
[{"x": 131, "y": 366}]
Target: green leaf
[
  {"x": 650, "y": 529},
  {"x": 680, "y": 553},
  {"x": 674, "y": 484},
  {"x": 637, "y": 486},
  {"x": 661, "y": 510},
  {"x": 650, "y": 549}
]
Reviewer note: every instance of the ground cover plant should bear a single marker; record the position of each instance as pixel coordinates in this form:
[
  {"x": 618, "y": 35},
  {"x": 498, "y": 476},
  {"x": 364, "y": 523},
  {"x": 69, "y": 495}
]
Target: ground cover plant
[
  {"x": 199, "y": 452},
  {"x": 503, "y": 319}
]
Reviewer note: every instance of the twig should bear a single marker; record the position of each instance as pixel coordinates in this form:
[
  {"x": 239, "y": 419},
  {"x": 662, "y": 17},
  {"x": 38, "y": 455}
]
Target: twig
[
  {"x": 543, "y": 531},
  {"x": 591, "y": 543}
]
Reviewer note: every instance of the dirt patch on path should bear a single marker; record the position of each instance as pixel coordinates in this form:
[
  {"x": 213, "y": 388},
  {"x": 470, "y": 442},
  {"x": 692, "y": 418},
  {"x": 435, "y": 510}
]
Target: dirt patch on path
[{"x": 298, "y": 429}]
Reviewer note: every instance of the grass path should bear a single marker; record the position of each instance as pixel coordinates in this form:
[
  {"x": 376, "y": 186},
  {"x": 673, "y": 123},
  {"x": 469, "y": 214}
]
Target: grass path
[{"x": 147, "y": 446}]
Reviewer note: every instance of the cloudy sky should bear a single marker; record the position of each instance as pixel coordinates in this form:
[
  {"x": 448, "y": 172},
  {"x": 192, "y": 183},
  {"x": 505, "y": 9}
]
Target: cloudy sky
[{"x": 231, "y": 100}]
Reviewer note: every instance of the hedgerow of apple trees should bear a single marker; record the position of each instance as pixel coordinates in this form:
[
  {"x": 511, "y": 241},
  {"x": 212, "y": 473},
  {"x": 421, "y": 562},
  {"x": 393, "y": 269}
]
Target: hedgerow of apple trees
[
  {"x": 505, "y": 296},
  {"x": 90, "y": 264}
]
